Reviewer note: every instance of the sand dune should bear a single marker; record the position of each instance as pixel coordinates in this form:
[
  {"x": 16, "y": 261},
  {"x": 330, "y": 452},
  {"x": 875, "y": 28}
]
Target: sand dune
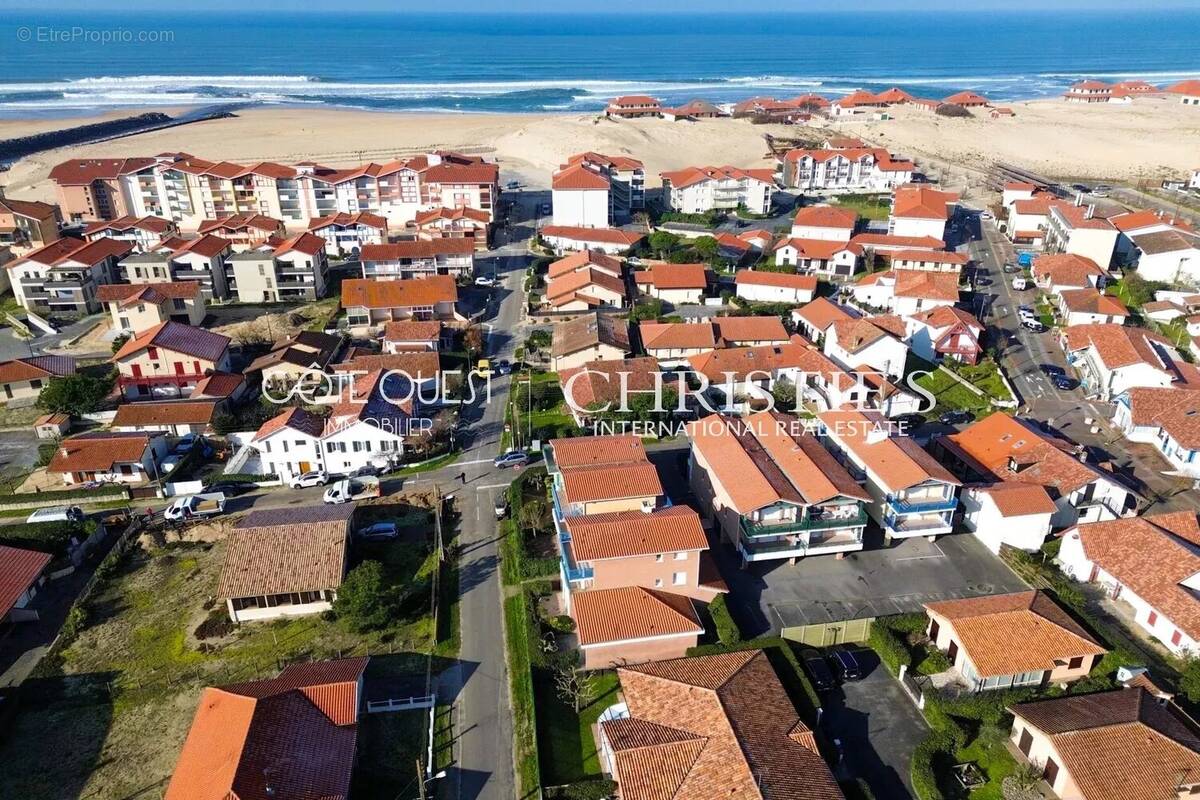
[{"x": 1152, "y": 138}]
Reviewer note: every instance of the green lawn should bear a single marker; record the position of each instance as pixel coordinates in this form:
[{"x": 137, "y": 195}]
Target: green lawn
[
  {"x": 867, "y": 206},
  {"x": 520, "y": 678},
  {"x": 566, "y": 746},
  {"x": 951, "y": 395},
  {"x": 988, "y": 752}
]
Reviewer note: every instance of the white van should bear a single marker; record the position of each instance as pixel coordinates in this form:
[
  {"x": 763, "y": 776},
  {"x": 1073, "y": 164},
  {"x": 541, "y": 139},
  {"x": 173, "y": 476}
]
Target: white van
[{"x": 56, "y": 514}]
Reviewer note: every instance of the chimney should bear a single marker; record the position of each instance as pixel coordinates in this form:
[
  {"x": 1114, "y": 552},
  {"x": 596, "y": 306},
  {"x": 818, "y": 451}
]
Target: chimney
[
  {"x": 1091, "y": 212},
  {"x": 1079, "y": 198},
  {"x": 876, "y": 434},
  {"x": 62, "y": 451}
]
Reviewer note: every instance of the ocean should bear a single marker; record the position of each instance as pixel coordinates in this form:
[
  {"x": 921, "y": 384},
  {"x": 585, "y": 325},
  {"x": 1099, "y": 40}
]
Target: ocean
[{"x": 52, "y": 64}]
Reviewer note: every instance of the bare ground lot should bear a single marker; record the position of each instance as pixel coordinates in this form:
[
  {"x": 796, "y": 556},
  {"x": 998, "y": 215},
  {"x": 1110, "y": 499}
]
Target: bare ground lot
[{"x": 106, "y": 716}]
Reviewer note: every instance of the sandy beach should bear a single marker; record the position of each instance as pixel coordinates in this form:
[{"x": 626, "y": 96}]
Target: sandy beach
[{"x": 1148, "y": 140}]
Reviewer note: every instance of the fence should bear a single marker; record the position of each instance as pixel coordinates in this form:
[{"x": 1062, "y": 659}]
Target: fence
[
  {"x": 401, "y": 704},
  {"x": 67, "y": 498}
]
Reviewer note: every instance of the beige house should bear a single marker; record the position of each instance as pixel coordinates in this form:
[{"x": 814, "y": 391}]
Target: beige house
[
  {"x": 1121, "y": 745},
  {"x": 62, "y": 278},
  {"x": 371, "y": 304},
  {"x": 22, "y": 379},
  {"x": 1010, "y": 640},
  {"x": 677, "y": 284},
  {"x": 139, "y": 307},
  {"x": 454, "y": 223},
  {"x": 411, "y": 335},
  {"x": 141, "y": 232},
  {"x": 27, "y": 225},
  {"x": 591, "y": 337},
  {"x": 285, "y": 562},
  {"x": 169, "y": 360},
  {"x": 109, "y": 457},
  {"x": 292, "y": 358}
]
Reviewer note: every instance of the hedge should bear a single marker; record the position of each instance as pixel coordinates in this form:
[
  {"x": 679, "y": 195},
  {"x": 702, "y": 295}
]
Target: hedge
[
  {"x": 48, "y": 537},
  {"x": 596, "y": 789},
  {"x": 105, "y": 491},
  {"x": 891, "y": 650},
  {"x": 520, "y": 680},
  {"x": 727, "y": 630},
  {"x": 921, "y": 771}
]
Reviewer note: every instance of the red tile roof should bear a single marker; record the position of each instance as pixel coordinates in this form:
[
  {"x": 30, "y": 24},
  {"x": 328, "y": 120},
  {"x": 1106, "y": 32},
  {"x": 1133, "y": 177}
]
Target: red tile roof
[
  {"x": 691, "y": 176},
  {"x": 128, "y": 223},
  {"x": 19, "y": 569},
  {"x": 578, "y": 177},
  {"x": 600, "y": 382},
  {"x": 237, "y": 222},
  {"x": 417, "y": 248},
  {"x": 127, "y": 294},
  {"x": 675, "y": 276},
  {"x": 36, "y": 368},
  {"x": 824, "y": 216},
  {"x": 590, "y": 450},
  {"x": 363, "y": 218},
  {"x": 600, "y": 235},
  {"x": 305, "y": 719},
  {"x": 628, "y": 534},
  {"x": 1090, "y": 301},
  {"x": 359, "y": 292},
  {"x": 78, "y": 171},
  {"x": 178, "y": 338},
  {"x": 899, "y": 462},
  {"x": 178, "y": 412},
  {"x": 98, "y": 452},
  {"x": 582, "y": 259},
  {"x": 608, "y": 616},
  {"x": 783, "y": 280},
  {"x": 922, "y": 202},
  {"x": 290, "y": 552}
]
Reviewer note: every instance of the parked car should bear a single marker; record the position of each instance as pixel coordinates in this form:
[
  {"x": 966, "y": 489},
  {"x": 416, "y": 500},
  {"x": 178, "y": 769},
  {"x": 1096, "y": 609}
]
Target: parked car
[
  {"x": 501, "y": 505},
  {"x": 190, "y": 442},
  {"x": 512, "y": 185},
  {"x": 379, "y": 532},
  {"x": 983, "y": 280},
  {"x": 513, "y": 458},
  {"x": 545, "y": 209},
  {"x": 1102, "y": 191},
  {"x": 845, "y": 665},
  {"x": 503, "y": 367},
  {"x": 1020, "y": 283},
  {"x": 349, "y": 489},
  {"x": 818, "y": 671},
  {"x": 909, "y": 421},
  {"x": 484, "y": 280},
  {"x": 232, "y": 488},
  {"x": 1033, "y": 325},
  {"x": 959, "y": 417},
  {"x": 1052, "y": 370},
  {"x": 986, "y": 215},
  {"x": 309, "y": 479},
  {"x": 1009, "y": 269},
  {"x": 1081, "y": 187},
  {"x": 1065, "y": 383}
]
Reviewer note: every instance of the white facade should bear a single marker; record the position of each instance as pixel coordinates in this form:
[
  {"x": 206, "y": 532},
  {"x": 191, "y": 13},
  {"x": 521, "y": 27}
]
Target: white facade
[
  {"x": 290, "y": 453},
  {"x": 586, "y": 208},
  {"x": 758, "y": 293},
  {"x": 846, "y": 170},
  {"x": 1085, "y": 236},
  {"x": 886, "y": 354},
  {"x": 917, "y": 226},
  {"x": 722, "y": 192},
  {"x": 990, "y": 525}
]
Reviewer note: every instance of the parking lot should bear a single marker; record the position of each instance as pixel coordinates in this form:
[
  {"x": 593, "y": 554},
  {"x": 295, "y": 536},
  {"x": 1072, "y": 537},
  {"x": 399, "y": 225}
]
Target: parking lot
[{"x": 768, "y": 597}]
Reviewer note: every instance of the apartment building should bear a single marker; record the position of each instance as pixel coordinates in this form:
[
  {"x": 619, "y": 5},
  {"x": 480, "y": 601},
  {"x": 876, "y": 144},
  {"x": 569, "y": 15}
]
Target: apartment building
[
  {"x": 135, "y": 307},
  {"x": 141, "y": 232},
  {"x": 418, "y": 259},
  {"x": 851, "y": 169},
  {"x": 346, "y": 234},
  {"x": 370, "y": 304},
  {"x": 189, "y": 190},
  {"x": 1000, "y": 448},
  {"x": 27, "y": 224},
  {"x": 63, "y": 278},
  {"x": 772, "y": 490},
  {"x": 454, "y": 223},
  {"x": 912, "y": 494},
  {"x": 1076, "y": 229},
  {"x": 279, "y": 271},
  {"x": 244, "y": 231},
  {"x": 169, "y": 360},
  {"x": 593, "y": 190},
  {"x": 202, "y": 260},
  {"x": 697, "y": 190}
]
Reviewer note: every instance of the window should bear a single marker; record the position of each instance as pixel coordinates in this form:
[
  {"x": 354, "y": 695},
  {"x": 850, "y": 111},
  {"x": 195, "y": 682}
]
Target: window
[
  {"x": 679, "y": 579},
  {"x": 681, "y": 556},
  {"x": 152, "y": 353},
  {"x": 299, "y": 443},
  {"x": 658, "y": 559},
  {"x": 1075, "y": 663},
  {"x": 1152, "y": 620},
  {"x": 657, "y": 583},
  {"x": 285, "y": 445},
  {"x": 1176, "y": 638},
  {"x": 1026, "y": 741},
  {"x": 35, "y": 384},
  {"x": 1050, "y": 773}
]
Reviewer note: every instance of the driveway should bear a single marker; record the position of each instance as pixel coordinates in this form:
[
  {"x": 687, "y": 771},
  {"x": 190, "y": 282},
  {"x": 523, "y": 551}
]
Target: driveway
[
  {"x": 878, "y": 728},
  {"x": 875, "y": 582},
  {"x": 18, "y": 449}
]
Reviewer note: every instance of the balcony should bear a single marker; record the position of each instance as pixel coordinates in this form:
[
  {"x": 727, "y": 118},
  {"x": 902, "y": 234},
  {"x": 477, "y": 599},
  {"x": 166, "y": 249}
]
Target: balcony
[
  {"x": 159, "y": 380},
  {"x": 811, "y": 522},
  {"x": 918, "y": 525},
  {"x": 923, "y": 506}
]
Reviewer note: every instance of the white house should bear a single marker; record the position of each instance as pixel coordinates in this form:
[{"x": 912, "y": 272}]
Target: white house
[
  {"x": 1008, "y": 513},
  {"x": 677, "y": 284},
  {"x": 1003, "y": 448},
  {"x": 816, "y": 317},
  {"x": 364, "y": 429},
  {"x": 775, "y": 287},
  {"x": 569, "y": 238},
  {"x": 696, "y": 190},
  {"x": 921, "y": 211},
  {"x": 911, "y": 493},
  {"x": 109, "y": 457},
  {"x": 874, "y": 342},
  {"x": 1112, "y": 359},
  {"x": 944, "y": 332},
  {"x": 1170, "y": 256},
  {"x": 929, "y": 260},
  {"x": 1061, "y": 271},
  {"x": 420, "y": 258},
  {"x": 906, "y": 292},
  {"x": 848, "y": 169},
  {"x": 1089, "y": 306},
  {"x": 824, "y": 222},
  {"x": 1166, "y": 419},
  {"x": 579, "y": 197},
  {"x": 1151, "y": 564},
  {"x": 141, "y": 232},
  {"x": 828, "y": 257}
]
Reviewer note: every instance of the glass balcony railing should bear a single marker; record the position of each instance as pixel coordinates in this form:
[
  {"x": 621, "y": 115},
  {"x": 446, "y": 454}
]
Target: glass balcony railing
[
  {"x": 922, "y": 506},
  {"x": 810, "y": 522}
]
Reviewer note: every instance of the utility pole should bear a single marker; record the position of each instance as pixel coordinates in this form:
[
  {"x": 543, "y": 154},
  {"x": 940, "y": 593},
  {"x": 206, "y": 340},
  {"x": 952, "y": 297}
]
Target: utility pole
[{"x": 421, "y": 779}]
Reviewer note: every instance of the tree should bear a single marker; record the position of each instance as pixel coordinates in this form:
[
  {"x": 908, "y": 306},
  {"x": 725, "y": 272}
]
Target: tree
[
  {"x": 119, "y": 341},
  {"x": 74, "y": 394},
  {"x": 538, "y": 340},
  {"x": 575, "y": 688},
  {"x": 1189, "y": 679},
  {"x": 473, "y": 340},
  {"x": 364, "y": 601},
  {"x": 662, "y": 242},
  {"x": 784, "y": 393},
  {"x": 532, "y": 516},
  {"x": 707, "y": 248},
  {"x": 647, "y": 309}
]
